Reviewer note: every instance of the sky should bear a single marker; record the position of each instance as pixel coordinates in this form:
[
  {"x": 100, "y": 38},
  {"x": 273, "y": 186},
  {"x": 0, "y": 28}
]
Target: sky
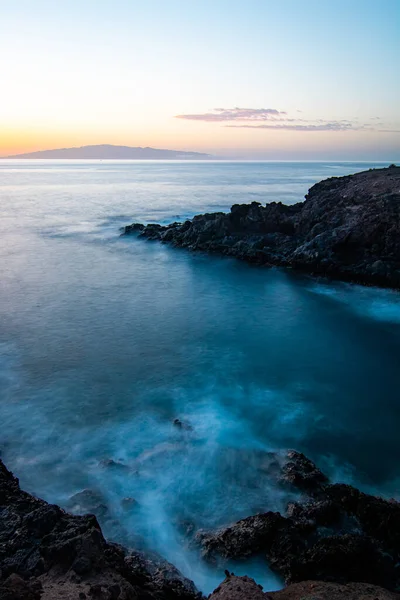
[{"x": 264, "y": 79}]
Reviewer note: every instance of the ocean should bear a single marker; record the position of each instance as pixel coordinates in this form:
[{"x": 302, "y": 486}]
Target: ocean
[{"x": 105, "y": 340}]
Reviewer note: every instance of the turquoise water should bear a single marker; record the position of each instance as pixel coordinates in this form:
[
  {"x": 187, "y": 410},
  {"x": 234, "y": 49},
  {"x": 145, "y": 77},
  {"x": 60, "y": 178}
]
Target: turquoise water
[{"x": 105, "y": 340}]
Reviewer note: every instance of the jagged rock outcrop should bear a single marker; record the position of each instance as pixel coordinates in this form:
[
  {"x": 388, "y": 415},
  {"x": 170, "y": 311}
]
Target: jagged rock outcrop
[
  {"x": 347, "y": 228},
  {"x": 245, "y": 588},
  {"x": 300, "y": 472},
  {"x": 335, "y": 533},
  {"x": 47, "y": 553},
  {"x": 335, "y": 542}
]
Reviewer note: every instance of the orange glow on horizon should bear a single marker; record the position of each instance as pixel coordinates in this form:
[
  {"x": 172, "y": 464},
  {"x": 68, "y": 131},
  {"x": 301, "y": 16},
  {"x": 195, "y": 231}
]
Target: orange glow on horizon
[{"x": 201, "y": 137}]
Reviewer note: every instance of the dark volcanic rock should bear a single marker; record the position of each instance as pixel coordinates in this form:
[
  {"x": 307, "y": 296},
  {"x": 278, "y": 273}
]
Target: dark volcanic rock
[
  {"x": 379, "y": 518},
  {"x": 135, "y": 227},
  {"x": 300, "y": 472},
  {"x": 129, "y": 503},
  {"x": 109, "y": 463},
  {"x": 88, "y": 501},
  {"x": 182, "y": 425},
  {"x": 245, "y": 538},
  {"x": 165, "y": 579},
  {"x": 342, "y": 558},
  {"x": 15, "y": 588},
  {"x": 336, "y": 533},
  {"x": 348, "y": 228},
  {"x": 41, "y": 546},
  {"x": 330, "y": 540},
  {"x": 238, "y": 588},
  {"x": 245, "y": 588}
]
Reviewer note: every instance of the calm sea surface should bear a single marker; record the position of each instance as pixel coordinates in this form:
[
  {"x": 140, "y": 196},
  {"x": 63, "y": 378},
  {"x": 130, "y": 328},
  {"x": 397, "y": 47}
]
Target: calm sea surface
[{"x": 105, "y": 340}]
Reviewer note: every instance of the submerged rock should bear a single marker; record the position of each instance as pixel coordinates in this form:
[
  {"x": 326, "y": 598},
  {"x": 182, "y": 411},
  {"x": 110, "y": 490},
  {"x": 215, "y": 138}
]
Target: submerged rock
[
  {"x": 347, "y": 228},
  {"x": 109, "y": 463},
  {"x": 129, "y": 503},
  {"x": 182, "y": 425},
  {"x": 88, "y": 501}
]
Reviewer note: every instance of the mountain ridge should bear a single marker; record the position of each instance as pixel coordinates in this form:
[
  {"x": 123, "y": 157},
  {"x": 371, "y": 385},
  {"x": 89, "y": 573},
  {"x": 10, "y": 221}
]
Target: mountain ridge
[{"x": 110, "y": 152}]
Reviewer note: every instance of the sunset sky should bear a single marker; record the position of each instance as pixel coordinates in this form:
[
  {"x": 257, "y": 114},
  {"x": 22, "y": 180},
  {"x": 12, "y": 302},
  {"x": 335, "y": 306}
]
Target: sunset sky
[{"x": 281, "y": 79}]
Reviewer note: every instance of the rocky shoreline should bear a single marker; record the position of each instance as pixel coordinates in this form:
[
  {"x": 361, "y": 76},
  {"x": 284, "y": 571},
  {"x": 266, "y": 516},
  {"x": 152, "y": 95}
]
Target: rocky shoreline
[
  {"x": 347, "y": 228},
  {"x": 46, "y": 553},
  {"x": 334, "y": 542}
]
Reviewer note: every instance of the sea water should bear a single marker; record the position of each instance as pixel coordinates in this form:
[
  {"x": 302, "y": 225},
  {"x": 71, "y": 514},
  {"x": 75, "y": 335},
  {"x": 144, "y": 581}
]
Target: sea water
[{"x": 105, "y": 340}]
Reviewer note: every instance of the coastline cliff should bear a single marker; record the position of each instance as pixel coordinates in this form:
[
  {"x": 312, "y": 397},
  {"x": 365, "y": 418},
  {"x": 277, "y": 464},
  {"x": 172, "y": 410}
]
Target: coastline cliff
[{"x": 347, "y": 228}]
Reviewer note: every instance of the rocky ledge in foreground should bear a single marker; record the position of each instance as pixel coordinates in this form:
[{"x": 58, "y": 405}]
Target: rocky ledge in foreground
[
  {"x": 336, "y": 542},
  {"x": 48, "y": 554},
  {"x": 347, "y": 228},
  {"x": 244, "y": 588}
]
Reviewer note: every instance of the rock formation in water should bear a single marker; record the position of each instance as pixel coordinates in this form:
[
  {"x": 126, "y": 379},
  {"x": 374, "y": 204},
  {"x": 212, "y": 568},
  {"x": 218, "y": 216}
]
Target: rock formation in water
[
  {"x": 335, "y": 542},
  {"x": 334, "y": 533},
  {"x": 347, "y": 228}
]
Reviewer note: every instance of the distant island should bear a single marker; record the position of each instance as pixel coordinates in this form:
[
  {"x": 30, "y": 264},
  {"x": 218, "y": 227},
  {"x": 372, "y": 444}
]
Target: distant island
[{"x": 109, "y": 152}]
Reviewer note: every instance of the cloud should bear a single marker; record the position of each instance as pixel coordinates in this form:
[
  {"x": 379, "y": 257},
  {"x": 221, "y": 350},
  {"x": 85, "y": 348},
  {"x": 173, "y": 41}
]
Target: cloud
[
  {"x": 388, "y": 130},
  {"x": 237, "y": 114},
  {"x": 319, "y": 126},
  {"x": 325, "y": 126},
  {"x": 271, "y": 118}
]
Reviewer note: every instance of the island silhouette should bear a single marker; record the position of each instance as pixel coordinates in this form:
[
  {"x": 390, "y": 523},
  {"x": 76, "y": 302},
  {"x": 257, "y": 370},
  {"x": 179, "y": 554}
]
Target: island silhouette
[{"x": 109, "y": 152}]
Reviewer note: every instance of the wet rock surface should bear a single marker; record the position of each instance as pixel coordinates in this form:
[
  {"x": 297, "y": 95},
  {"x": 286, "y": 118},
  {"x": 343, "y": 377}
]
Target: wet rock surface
[
  {"x": 333, "y": 542},
  {"x": 347, "y": 228},
  {"x": 182, "y": 425},
  {"x": 300, "y": 472},
  {"x": 48, "y": 553},
  {"x": 88, "y": 501},
  {"x": 334, "y": 533}
]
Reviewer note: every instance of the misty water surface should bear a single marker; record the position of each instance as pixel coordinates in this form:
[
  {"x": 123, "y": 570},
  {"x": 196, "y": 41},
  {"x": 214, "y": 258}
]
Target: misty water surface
[{"x": 105, "y": 340}]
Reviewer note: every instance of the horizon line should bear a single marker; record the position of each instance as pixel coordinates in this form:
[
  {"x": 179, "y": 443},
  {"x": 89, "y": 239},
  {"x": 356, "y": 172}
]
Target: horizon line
[{"x": 216, "y": 159}]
